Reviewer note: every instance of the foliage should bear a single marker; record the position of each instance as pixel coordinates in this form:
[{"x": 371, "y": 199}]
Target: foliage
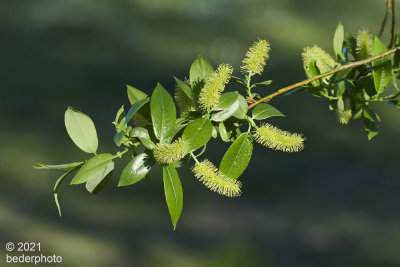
[{"x": 151, "y": 132}]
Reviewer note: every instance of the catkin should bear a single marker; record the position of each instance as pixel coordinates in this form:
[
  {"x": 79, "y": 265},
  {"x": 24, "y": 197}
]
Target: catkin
[
  {"x": 169, "y": 153},
  {"x": 214, "y": 86},
  {"x": 207, "y": 173},
  {"x": 256, "y": 57},
  {"x": 275, "y": 138}
]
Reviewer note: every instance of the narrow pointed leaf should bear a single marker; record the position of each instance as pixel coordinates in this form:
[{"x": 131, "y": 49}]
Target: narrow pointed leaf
[
  {"x": 381, "y": 68},
  {"x": 67, "y": 166},
  {"x": 135, "y": 108},
  {"x": 338, "y": 41},
  {"x": 163, "y": 112},
  {"x": 237, "y": 158},
  {"x": 135, "y": 95},
  {"x": 81, "y": 129},
  {"x": 92, "y": 167},
  {"x": 173, "y": 192},
  {"x": 57, "y": 186}
]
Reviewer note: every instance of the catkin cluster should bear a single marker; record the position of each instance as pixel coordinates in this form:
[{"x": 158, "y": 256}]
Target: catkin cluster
[{"x": 207, "y": 173}]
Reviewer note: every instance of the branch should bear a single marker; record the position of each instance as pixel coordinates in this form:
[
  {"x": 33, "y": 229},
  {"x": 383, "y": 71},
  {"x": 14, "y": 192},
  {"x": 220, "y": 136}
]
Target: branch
[
  {"x": 388, "y": 5},
  {"x": 320, "y": 76},
  {"x": 393, "y": 24}
]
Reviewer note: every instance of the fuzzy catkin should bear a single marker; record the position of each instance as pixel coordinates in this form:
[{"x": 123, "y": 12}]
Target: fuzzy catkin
[
  {"x": 275, "y": 138},
  {"x": 323, "y": 60},
  {"x": 364, "y": 44},
  {"x": 256, "y": 57},
  {"x": 207, "y": 173},
  {"x": 170, "y": 153},
  {"x": 214, "y": 86}
]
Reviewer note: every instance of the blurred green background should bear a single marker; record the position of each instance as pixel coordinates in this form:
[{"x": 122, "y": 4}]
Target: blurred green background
[{"x": 334, "y": 204}]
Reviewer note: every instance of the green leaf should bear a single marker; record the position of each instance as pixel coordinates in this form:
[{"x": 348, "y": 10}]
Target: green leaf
[
  {"x": 381, "y": 68},
  {"x": 225, "y": 135},
  {"x": 81, "y": 129},
  {"x": 241, "y": 112},
  {"x": 163, "y": 112},
  {"x": 215, "y": 132},
  {"x": 136, "y": 170},
  {"x": 371, "y": 122},
  {"x": 185, "y": 88},
  {"x": 92, "y": 167},
  {"x": 66, "y": 166},
  {"x": 119, "y": 138},
  {"x": 200, "y": 71},
  {"x": 226, "y": 100},
  {"x": 263, "y": 83},
  {"x": 313, "y": 71},
  {"x": 135, "y": 108},
  {"x": 177, "y": 128},
  {"x": 57, "y": 186},
  {"x": 135, "y": 95},
  {"x": 143, "y": 135},
  {"x": 173, "y": 192},
  {"x": 338, "y": 41},
  {"x": 142, "y": 117},
  {"x": 237, "y": 158},
  {"x": 226, "y": 113},
  {"x": 198, "y": 133},
  {"x": 264, "y": 111},
  {"x": 119, "y": 117},
  {"x": 97, "y": 183}
]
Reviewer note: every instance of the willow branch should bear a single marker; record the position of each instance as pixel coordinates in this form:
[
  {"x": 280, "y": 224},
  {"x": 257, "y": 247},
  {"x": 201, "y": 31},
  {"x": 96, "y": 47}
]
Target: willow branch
[
  {"x": 393, "y": 24},
  {"x": 323, "y": 75}
]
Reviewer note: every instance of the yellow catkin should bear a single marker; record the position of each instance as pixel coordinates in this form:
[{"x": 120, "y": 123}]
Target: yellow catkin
[
  {"x": 169, "y": 153},
  {"x": 364, "y": 44},
  {"x": 256, "y": 57},
  {"x": 207, "y": 173},
  {"x": 323, "y": 60},
  {"x": 214, "y": 86},
  {"x": 275, "y": 138}
]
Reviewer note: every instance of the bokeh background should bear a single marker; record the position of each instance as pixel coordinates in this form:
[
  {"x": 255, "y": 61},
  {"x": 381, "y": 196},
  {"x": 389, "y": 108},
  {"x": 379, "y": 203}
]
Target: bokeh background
[{"x": 334, "y": 204}]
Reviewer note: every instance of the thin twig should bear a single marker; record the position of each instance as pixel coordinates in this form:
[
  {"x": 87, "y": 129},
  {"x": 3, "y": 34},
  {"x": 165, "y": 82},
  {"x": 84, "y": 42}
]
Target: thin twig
[
  {"x": 340, "y": 68},
  {"x": 388, "y": 4},
  {"x": 393, "y": 24}
]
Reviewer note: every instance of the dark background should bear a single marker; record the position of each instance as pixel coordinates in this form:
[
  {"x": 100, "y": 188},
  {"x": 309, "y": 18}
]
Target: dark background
[{"x": 334, "y": 204}]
